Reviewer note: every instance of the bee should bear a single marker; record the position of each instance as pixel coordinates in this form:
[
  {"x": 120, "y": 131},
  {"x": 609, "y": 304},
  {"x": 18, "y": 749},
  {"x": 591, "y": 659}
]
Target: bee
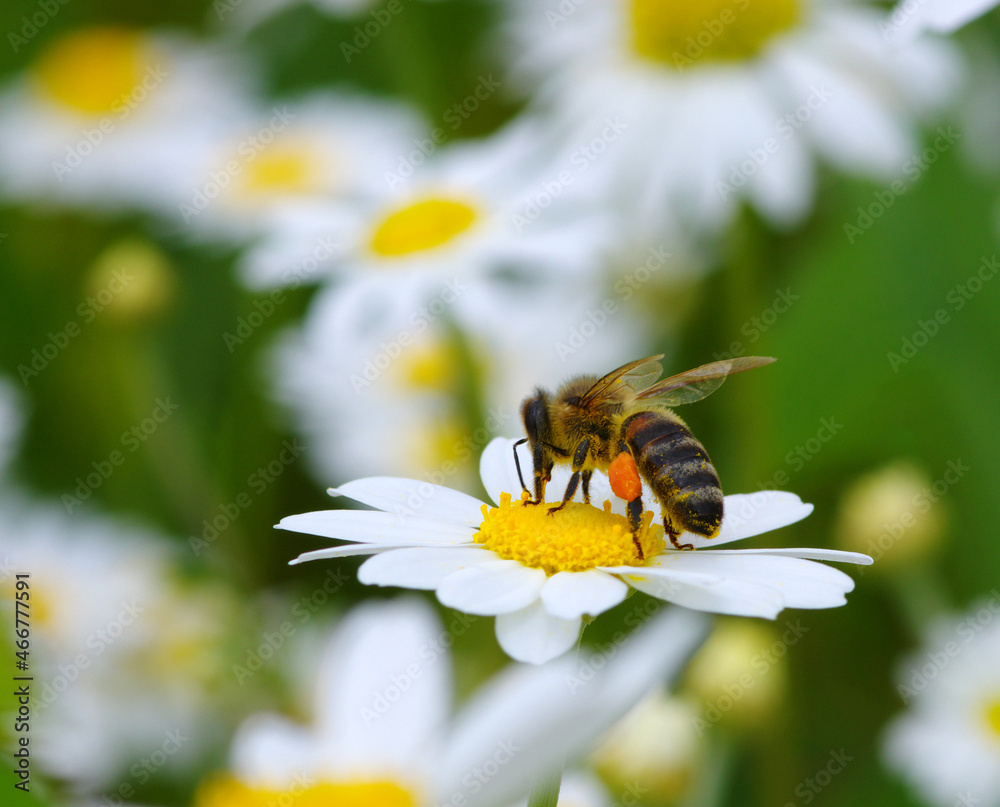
[{"x": 622, "y": 424}]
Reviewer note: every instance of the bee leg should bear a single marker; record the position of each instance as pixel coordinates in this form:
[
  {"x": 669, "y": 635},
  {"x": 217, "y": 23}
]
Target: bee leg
[
  {"x": 543, "y": 473},
  {"x": 579, "y": 458},
  {"x": 668, "y": 528},
  {"x": 635, "y": 520},
  {"x": 585, "y": 477}
]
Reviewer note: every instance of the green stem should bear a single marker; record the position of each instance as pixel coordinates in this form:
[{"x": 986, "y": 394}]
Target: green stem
[{"x": 546, "y": 792}]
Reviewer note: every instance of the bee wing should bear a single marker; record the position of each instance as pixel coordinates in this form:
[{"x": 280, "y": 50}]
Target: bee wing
[
  {"x": 700, "y": 382},
  {"x": 633, "y": 377}
]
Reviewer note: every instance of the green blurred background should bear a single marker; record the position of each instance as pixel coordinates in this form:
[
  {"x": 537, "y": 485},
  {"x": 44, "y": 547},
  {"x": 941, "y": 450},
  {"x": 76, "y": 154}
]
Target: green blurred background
[{"x": 854, "y": 303}]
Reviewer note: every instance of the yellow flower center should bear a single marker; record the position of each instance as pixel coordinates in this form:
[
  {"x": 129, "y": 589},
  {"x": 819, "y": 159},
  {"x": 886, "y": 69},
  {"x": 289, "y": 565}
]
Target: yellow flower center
[
  {"x": 288, "y": 168},
  {"x": 93, "y": 69},
  {"x": 225, "y": 791},
  {"x": 423, "y": 225},
  {"x": 682, "y": 32},
  {"x": 992, "y": 715},
  {"x": 577, "y": 538}
]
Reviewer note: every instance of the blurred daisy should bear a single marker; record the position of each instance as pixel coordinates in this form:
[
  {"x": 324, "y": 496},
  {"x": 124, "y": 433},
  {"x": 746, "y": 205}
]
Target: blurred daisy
[
  {"x": 326, "y": 146},
  {"x": 947, "y": 742},
  {"x": 106, "y": 116},
  {"x": 700, "y": 106},
  {"x": 386, "y": 390},
  {"x": 912, "y": 17},
  {"x": 540, "y": 576},
  {"x": 381, "y": 730},
  {"x": 123, "y": 656},
  {"x": 439, "y": 218}
]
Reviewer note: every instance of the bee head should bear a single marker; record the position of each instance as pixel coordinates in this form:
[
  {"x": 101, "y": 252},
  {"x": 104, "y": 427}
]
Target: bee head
[{"x": 535, "y": 414}]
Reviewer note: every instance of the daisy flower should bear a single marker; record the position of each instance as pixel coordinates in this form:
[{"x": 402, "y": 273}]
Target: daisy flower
[
  {"x": 706, "y": 104},
  {"x": 121, "y": 652},
  {"x": 947, "y": 742},
  {"x": 443, "y": 215},
  {"x": 381, "y": 732},
  {"x": 325, "y": 146},
  {"x": 105, "y": 116},
  {"x": 541, "y": 576}
]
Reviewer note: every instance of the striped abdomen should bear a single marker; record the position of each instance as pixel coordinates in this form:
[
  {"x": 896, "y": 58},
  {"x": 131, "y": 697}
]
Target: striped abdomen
[{"x": 677, "y": 468}]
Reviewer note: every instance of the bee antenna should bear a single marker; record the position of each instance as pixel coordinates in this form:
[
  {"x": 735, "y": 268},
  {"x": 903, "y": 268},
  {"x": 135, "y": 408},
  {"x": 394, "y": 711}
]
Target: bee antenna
[{"x": 517, "y": 462}]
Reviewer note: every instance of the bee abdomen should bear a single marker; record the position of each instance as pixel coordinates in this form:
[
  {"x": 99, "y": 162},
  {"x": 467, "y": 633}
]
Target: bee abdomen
[{"x": 678, "y": 469}]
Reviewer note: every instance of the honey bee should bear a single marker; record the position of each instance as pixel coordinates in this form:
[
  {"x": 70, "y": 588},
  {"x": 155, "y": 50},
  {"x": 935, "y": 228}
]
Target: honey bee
[{"x": 622, "y": 424}]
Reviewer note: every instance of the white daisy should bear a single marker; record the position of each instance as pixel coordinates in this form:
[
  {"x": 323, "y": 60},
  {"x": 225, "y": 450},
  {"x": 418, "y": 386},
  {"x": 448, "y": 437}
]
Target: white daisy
[
  {"x": 106, "y": 115},
  {"x": 383, "y": 392},
  {"x": 121, "y": 653},
  {"x": 912, "y": 17},
  {"x": 443, "y": 218},
  {"x": 947, "y": 742},
  {"x": 710, "y": 103},
  {"x": 381, "y": 733},
  {"x": 540, "y": 576},
  {"x": 326, "y": 147}
]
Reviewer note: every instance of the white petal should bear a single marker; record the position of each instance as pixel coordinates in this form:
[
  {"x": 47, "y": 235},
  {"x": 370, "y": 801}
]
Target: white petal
[
  {"x": 719, "y": 596},
  {"x": 382, "y": 695},
  {"x": 270, "y": 751},
  {"x": 498, "y": 471},
  {"x": 534, "y": 636},
  {"x": 420, "y": 567},
  {"x": 570, "y": 595},
  {"x": 836, "y": 555},
  {"x": 409, "y": 497},
  {"x": 748, "y": 514},
  {"x": 343, "y": 551},
  {"x": 493, "y": 587},
  {"x": 799, "y": 583},
  {"x": 376, "y": 528}
]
